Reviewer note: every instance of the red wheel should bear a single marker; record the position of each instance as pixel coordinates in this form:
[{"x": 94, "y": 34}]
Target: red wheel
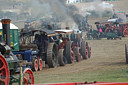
[
  {"x": 35, "y": 65},
  {"x": 28, "y": 77},
  {"x": 4, "y": 71},
  {"x": 70, "y": 55},
  {"x": 40, "y": 64},
  {"x": 125, "y": 33}
]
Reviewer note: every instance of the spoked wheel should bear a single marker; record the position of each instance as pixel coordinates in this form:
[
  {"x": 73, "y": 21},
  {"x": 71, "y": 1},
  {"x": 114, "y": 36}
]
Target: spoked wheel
[
  {"x": 4, "y": 71},
  {"x": 84, "y": 49},
  {"x": 35, "y": 65},
  {"x": 125, "y": 33},
  {"x": 28, "y": 77},
  {"x": 52, "y": 54},
  {"x": 126, "y": 52},
  {"x": 70, "y": 56},
  {"x": 77, "y": 54},
  {"x": 40, "y": 64},
  {"x": 61, "y": 58},
  {"x": 89, "y": 52}
]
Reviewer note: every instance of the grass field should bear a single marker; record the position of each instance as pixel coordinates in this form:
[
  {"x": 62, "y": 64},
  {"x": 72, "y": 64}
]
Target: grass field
[{"x": 117, "y": 75}]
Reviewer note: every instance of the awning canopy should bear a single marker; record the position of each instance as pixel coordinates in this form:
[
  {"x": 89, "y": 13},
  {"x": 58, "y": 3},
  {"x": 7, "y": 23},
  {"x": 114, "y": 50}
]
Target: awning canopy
[{"x": 12, "y": 26}]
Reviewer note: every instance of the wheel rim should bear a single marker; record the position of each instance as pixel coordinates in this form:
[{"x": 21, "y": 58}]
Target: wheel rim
[
  {"x": 125, "y": 33},
  {"x": 28, "y": 77},
  {"x": 40, "y": 64},
  {"x": 35, "y": 65},
  {"x": 4, "y": 71}
]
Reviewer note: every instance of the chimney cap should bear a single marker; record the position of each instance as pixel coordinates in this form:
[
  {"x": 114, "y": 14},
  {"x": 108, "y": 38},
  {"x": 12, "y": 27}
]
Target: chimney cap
[{"x": 5, "y": 21}]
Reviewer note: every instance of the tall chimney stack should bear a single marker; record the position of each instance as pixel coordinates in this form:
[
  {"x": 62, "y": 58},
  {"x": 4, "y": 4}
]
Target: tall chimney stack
[{"x": 6, "y": 30}]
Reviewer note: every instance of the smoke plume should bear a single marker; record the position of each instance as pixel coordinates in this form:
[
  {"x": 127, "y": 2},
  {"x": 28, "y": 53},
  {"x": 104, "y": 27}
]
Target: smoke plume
[
  {"x": 98, "y": 6},
  {"x": 55, "y": 8}
]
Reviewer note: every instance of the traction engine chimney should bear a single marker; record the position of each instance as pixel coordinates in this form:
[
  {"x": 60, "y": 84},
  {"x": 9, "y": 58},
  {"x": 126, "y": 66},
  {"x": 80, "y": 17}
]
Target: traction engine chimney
[{"x": 6, "y": 30}]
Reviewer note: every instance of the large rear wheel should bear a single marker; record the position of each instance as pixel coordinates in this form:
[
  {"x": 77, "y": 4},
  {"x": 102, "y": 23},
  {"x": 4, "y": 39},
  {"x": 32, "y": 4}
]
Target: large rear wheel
[
  {"x": 28, "y": 78},
  {"x": 61, "y": 57},
  {"x": 4, "y": 71},
  {"x": 70, "y": 55},
  {"x": 84, "y": 49},
  {"x": 52, "y": 54}
]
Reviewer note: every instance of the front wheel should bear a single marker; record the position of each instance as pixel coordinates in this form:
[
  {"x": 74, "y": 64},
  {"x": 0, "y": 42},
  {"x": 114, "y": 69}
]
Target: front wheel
[
  {"x": 28, "y": 78},
  {"x": 35, "y": 65},
  {"x": 40, "y": 64}
]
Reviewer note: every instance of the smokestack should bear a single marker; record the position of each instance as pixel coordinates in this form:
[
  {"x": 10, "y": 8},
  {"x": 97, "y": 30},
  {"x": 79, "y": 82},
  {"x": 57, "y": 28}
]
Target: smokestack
[{"x": 6, "y": 30}]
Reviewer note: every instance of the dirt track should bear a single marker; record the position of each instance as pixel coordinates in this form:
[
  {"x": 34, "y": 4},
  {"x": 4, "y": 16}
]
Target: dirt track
[{"x": 107, "y": 55}]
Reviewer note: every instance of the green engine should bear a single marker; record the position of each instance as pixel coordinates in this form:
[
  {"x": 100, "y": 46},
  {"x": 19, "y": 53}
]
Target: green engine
[{"x": 14, "y": 36}]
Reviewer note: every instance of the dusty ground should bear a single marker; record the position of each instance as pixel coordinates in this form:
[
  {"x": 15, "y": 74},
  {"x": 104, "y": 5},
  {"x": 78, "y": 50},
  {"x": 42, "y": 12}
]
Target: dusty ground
[{"x": 107, "y": 61}]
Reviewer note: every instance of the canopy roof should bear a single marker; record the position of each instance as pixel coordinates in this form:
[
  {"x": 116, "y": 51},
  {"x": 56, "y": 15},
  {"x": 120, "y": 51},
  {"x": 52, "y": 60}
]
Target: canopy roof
[{"x": 12, "y": 26}]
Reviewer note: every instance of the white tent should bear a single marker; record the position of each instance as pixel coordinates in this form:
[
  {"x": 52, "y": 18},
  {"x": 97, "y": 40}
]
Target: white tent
[{"x": 12, "y": 26}]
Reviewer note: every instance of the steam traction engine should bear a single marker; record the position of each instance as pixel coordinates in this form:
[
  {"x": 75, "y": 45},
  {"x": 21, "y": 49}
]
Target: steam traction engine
[
  {"x": 69, "y": 49},
  {"x": 65, "y": 48},
  {"x": 111, "y": 30},
  {"x": 9, "y": 63},
  {"x": 42, "y": 41}
]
